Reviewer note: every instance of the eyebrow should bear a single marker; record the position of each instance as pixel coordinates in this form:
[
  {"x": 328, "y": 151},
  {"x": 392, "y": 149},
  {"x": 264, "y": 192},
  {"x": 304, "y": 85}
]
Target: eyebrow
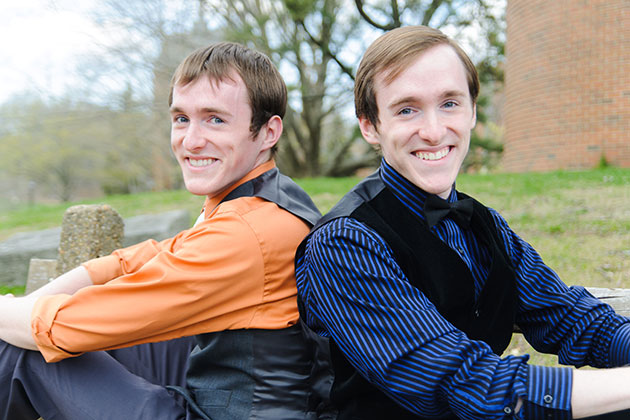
[
  {"x": 206, "y": 110},
  {"x": 412, "y": 99},
  {"x": 401, "y": 101}
]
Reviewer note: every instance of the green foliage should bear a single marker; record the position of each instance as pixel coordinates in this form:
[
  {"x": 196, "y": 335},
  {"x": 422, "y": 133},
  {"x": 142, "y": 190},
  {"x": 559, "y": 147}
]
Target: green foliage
[
  {"x": 485, "y": 148},
  {"x": 14, "y": 290},
  {"x": 65, "y": 145},
  {"x": 300, "y": 9},
  {"x": 126, "y": 164},
  {"x": 603, "y": 162},
  {"x": 50, "y": 144}
]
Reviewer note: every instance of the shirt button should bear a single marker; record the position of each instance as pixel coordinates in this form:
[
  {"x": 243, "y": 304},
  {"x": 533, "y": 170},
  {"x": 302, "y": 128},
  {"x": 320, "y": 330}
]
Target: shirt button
[
  {"x": 507, "y": 410},
  {"x": 477, "y": 313},
  {"x": 548, "y": 399}
]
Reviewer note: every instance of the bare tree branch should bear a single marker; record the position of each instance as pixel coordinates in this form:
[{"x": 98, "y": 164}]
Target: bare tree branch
[
  {"x": 430, "y": 11},
  {"x": 326, "y": 50},
  {"x": 395, "y": 13},
  {"x": 368, "y": 19}
]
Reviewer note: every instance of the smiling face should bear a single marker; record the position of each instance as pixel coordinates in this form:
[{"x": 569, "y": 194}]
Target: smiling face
[
  {"x": 211, "y": 137},
  {"x": 425, "y": 118}
]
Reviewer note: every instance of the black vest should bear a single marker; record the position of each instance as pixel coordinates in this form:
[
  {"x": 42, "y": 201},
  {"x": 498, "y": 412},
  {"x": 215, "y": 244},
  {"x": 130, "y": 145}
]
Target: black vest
[
  {"x": 255, "y": 373},
  {"x": 431, "y": 266}
]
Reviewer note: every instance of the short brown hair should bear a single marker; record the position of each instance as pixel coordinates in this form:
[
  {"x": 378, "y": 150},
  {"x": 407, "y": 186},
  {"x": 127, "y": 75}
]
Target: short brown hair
[
  {"x": 266, "y": 90},
  {"x": 392, "y": 53}
]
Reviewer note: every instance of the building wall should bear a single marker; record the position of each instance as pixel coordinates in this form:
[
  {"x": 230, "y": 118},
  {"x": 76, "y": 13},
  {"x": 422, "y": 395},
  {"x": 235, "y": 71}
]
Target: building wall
[{"x": 567, "y": 84}]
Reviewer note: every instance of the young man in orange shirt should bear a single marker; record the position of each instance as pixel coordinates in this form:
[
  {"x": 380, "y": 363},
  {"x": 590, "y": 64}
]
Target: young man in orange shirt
[{"x": 225, "y": 287}]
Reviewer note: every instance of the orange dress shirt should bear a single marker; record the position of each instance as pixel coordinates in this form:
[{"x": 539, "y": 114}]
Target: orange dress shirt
[{"x": 232, "y": 270}]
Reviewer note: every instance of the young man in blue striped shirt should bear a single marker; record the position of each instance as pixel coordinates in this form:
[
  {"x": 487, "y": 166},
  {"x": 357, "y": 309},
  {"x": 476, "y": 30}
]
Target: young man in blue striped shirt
[{"x": 417, "y": 287}]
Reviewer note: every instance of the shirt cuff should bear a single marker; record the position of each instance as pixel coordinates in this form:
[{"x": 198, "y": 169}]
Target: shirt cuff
[
  {"x": 42, "y": 317},
  {"x": 104, "y": 269},
  {"x": 548, "y": 393},
  {"x": 620, "y": 346}
]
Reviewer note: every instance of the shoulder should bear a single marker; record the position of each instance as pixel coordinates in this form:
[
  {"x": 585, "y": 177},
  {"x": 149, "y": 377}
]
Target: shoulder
[
  {"x": 261, "y": 216},
  {"x": 343, "y": 235},
  {"x": 343, "y": 225},
  {"x": 240, "y": 206}
]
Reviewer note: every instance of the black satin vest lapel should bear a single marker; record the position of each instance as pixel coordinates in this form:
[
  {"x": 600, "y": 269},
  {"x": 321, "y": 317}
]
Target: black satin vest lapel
[{"x": 279, "y": 189}]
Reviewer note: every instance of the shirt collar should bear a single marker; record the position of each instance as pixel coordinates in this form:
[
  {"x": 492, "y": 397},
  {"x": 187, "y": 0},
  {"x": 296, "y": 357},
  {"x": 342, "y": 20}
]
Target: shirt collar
[
  {"x": 404, "y": 190},
  {"x": 212, "y": 202}
]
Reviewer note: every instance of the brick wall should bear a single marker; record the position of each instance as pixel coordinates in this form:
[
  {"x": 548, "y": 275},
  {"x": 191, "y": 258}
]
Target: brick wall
[{"x": 567, "y": 84}]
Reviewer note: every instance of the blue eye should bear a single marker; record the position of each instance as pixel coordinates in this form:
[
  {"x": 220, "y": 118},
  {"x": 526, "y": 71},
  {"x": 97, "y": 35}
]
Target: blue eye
[
  {"x": 216, "y": 120},
  {"x": 450, "y": 104},
  {"x": 405, "y": 111},
  {"x": 180, "y": 119}
]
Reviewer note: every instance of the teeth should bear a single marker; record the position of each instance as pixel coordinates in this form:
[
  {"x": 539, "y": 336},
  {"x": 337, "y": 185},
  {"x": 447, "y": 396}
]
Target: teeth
[
  {"x": 200, "y": 162},
  {"x": 433, "y": 156}
]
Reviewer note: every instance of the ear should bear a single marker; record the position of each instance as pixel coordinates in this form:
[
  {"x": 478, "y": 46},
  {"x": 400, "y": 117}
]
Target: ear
[
  {"x": 474, "y": 117},
  {"x": 368, "y": 131},
  {"x": 270, "y": 132}
]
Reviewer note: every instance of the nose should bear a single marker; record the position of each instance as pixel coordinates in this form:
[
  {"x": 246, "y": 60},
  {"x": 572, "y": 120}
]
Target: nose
[
  {"x": 194, "y": 138},
  {"x": 431, "y": 128}
]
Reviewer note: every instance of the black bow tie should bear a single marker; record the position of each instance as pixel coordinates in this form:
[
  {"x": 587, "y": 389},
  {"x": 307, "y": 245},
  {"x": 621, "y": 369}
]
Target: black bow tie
[{"x": 435, "y": 209}]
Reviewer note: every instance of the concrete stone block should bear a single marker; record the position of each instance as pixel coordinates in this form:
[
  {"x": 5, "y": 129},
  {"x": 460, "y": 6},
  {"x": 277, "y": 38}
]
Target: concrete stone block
[
  {"x": 40, "y": 272},
  {"x": 17, "y": 251},
  {"x": 87, "y": 232}
]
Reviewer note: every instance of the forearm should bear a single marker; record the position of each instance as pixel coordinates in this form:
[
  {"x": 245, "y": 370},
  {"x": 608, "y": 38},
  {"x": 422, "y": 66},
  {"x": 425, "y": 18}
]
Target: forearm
[
  {"x": 15, "y": 312},
  {"x": 600, "y": 391},
  {"x": 67, "y": 283},
  {"x": 567, "y": 321}
]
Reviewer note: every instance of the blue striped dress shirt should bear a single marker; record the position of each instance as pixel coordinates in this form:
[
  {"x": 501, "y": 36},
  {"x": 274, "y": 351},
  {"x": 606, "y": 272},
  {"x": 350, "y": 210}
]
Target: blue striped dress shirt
[{"x": 355, "y": 292}]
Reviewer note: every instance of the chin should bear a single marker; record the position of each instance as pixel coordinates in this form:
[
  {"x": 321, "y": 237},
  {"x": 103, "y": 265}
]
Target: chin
[
  {"x": 195, "y": 191},
  {"x": 439, "y": 189},
  {"x": 192, "y": 188}
]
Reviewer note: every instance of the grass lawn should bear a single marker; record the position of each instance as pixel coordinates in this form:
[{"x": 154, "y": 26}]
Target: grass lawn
[{"x": 578, "y": 221}]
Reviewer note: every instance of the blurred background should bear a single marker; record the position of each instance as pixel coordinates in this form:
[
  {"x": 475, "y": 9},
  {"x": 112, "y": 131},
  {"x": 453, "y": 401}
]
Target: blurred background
[{"x": 84, "y": 85}]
